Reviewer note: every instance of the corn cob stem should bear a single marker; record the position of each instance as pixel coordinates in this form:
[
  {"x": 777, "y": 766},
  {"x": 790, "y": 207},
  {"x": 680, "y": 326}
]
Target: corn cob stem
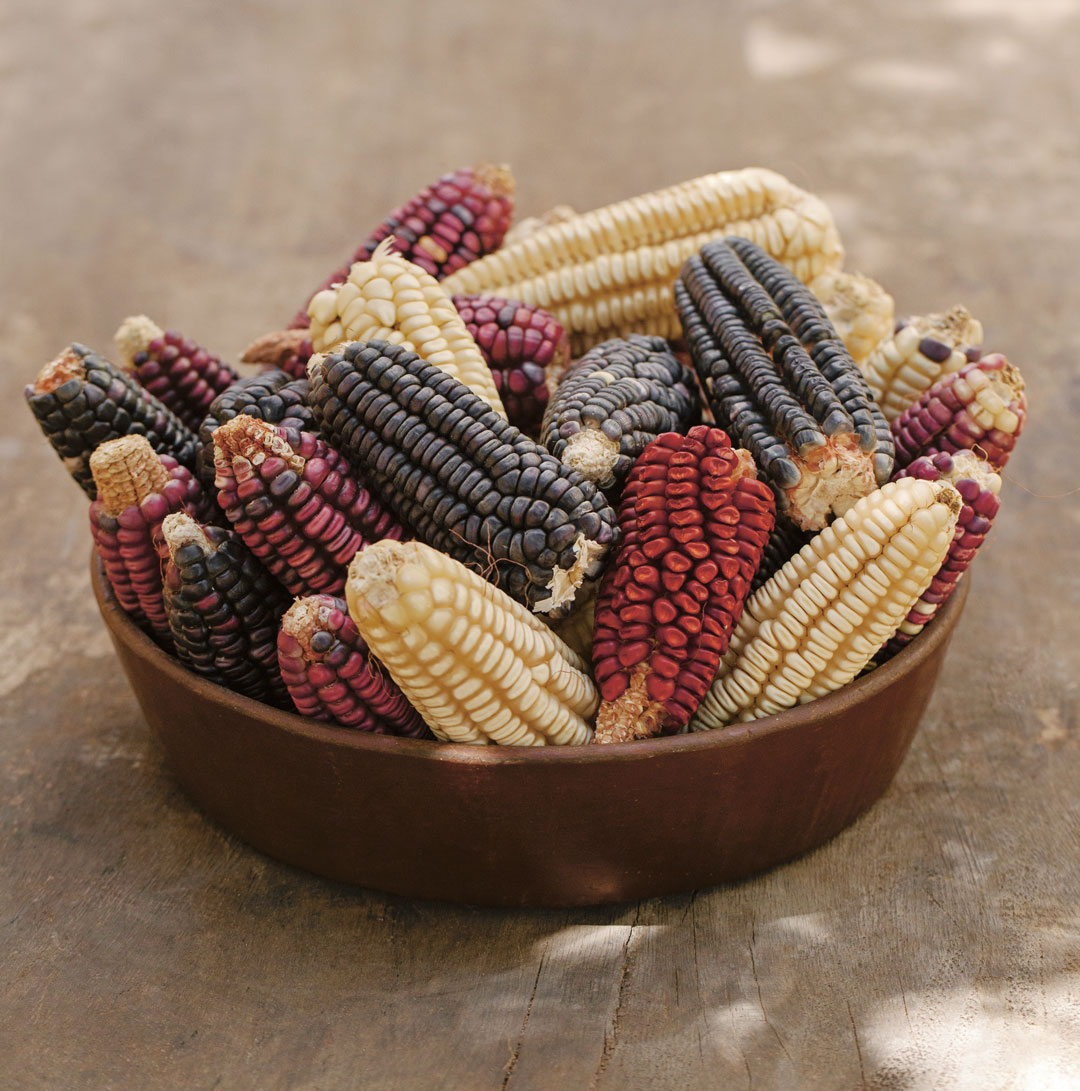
[
  {"x": 288, "y": 350},
  {"x": 476, "y": 665},
  {"x": 861, "y": 311}
]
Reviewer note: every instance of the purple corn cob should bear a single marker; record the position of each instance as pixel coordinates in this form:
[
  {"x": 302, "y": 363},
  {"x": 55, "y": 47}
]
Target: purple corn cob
[
  {"x": 332, "y": 676},
  {"x": 296, "y": 503},
  {"x": 981, "y": 407},
  {"x": 288, "y": 350}
]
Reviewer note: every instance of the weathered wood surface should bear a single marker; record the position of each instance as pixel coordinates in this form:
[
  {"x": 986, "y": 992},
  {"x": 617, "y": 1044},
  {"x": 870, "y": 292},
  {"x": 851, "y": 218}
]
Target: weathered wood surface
[{"x": 207, "y": 163}]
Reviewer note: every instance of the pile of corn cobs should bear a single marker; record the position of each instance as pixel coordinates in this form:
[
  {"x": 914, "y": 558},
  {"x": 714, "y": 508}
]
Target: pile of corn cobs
[{"x": 420, "y": 518}]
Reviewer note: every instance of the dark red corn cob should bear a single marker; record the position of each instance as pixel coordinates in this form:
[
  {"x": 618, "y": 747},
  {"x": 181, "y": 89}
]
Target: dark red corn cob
[
  {"x": 296, "y": 503},
  {"x": 332, "y": 676},
  {"x": 981, "y": 408},
  {"x": 288, "y": 350},
  {"x": 519, "y": 342},
  {"x": 695, "y": 521},
  {"x": 81, "y": 400},
  {"x": 224, "y": 610},
  {"x": 176, "y": 370},
  {"x": 459, "y": 218}
]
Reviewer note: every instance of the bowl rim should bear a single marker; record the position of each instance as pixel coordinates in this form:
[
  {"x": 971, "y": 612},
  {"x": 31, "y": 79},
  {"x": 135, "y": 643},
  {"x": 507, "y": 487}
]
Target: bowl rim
[{"x": 315, "y": 731}]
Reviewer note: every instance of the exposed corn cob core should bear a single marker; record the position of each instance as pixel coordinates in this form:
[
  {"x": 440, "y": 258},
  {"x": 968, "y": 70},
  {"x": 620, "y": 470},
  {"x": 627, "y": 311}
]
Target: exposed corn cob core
[
  {"x": 694, "y": 522},
  {"x": 978, "y": 487},
  {"x": 610, "y": 272},
  {"x": 296, "y": 503},
  {"x": 522, "y": 229},
  {"x": 458, "y": 219},
  {"x": 475, "y": 664},
  {"x": 520, "y": 344},
  {"x": 390, "y": 299},
  {"x": 614, "y": 402},
  {"x": 332, "y": 676},
  {"x": 224, "y": 609},
  {"x": 781, "y": 382},
  {"x": 920, "y": 351},
  {"x": 136, "y": 490},
  {"x": 288, "y": 350},
  {"x": 982, "y": 408},
  {"x": 818, "y": 622},
  {"x": 459, "y": 476},
  {"x": 861, "y": 311},
  {"x": 80, "y": 400},
  {"x": 273, "y": 396},
  {"x": 181, "y": 373},
  {"x": 784, "y": 542}
]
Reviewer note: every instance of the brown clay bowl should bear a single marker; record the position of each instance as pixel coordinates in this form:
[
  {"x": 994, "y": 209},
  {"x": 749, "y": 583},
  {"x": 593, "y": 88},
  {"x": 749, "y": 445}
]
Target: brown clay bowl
[{"x": 517, "y": 826}]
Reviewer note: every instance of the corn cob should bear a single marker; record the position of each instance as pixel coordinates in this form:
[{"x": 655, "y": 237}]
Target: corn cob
[
  {"x": 522, "y": 229},
  {"x": 780, "y": 381},
  {"x": 816, "y": 624},
  {"x": 224, "y": 609},
  {"x": 614, "y": 402},
  {"x": 978, "y": 487},
  {"x": 81, "y": 400},
  {"x": 331, "y": 675},
  {"x": 390, "y": 299},
  {"x": 288, "y": 350},
  {"x": 183, "y": 375},
  {"x": 576, "y": 628},
  {"x": 295, "y": 503},
  {"x": 609, "y": 273},
  {"x": 861, "y": 311},
  {"x": 462, "y": 478},
  {"x": 519, "y": 344},
  {"x": 694, "y": 522},
  {"x": 920, "y": 351},
  {"x": 136, "y": 489},
  {"x": 980, "y": 408},
  {"x": 475, "y": 664},
  {"x": 271, "y": 396},
  {"x": 784, "y": 542}
]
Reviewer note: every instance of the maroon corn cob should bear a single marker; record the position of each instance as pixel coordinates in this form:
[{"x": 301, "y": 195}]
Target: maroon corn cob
[
  {"x": 177, "y": 371},
  {"x": 332, "y": 676},
  {"x": 519, "y": 342},
  {"x": 459, "y": 218},
  {"x": 288, "y": 350},
  {"x": 695, "y": 520},
  {"x": 981, "y": 408}
]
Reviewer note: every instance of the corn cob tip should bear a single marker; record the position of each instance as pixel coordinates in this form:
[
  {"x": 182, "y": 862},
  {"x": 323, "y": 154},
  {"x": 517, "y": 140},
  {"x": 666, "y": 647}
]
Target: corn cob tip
[
  {"x": 592, "y": 454},
  {"x": 956, "y": 327},
  {"x": 632, "y": 715},
  {"x": 68, "y": 365},
  {"x": 497, "y": 178},
  {"x": 371, "y": 582},
  {"x": 838, "y": 474},
  {"x": 134, "y": 336},
  {"x": 274, "y": 349},
  {"x": 565, "y": 582},
  {"x": 126, "y": 471},
  {"x": 255, "y": 440},
  {"x": 180, "y": 529}
]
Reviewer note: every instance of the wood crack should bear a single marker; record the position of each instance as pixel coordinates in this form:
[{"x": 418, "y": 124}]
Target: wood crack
[
  {"x": 511, "y": 1064},
  {"x": 611, "y": 1038},
  {"x": 761, "y": 1002}
]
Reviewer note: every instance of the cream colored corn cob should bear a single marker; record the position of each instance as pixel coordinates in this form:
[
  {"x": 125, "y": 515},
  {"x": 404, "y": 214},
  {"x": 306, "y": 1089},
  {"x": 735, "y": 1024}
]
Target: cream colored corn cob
[
  {"x": 923, "y": 350},
  {"x": 817, "y": 623},
  {"x": 610, "y": 272},
  {"x": 391, "y": 299},
  {"x": 479, "y": 667},
  {"x": 861, "y": 311},
  {"x": 521, "y": 229}
]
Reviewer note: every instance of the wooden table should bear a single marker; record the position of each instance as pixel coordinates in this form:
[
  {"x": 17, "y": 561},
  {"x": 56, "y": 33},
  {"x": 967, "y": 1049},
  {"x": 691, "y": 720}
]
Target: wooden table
[{"x": 207, "y": 163}]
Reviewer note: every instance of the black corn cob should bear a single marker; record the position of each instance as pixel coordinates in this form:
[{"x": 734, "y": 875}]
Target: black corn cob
[
  {"x": 784, "y": 542},
  {"x": 614, "y": 402},
  {"x": 81, "y": 400},
  {"x": 224, "y": 609},
  {"x": 781, "y": 382},
  {"x": 467, "y": 482}
]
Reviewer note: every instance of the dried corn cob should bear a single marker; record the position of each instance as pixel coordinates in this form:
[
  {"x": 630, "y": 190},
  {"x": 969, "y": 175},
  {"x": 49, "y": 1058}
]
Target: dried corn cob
[
  {"x": 390, "y": 299},
  {"x": 982, "y": 408},
  {"x": 816, "y": 624},
  {"x": 978, "y": 487},
  {"x": 475, "y": 664},
  {"x": 614, "y": 402},
  {"x": 519, "y": 344},
  {"x": 609, "y": 273},
  {"x": 136, "y": 490},
  {"x": 576, "y": 628},
  {"x": 271, "y": 396},
  {"x": 861, "y": 311},
  {"x": 921, "y": 351},
  {"x": 288, "y": 350},
  {"x": 332, "y": 676},
  {"x": 224, "y": 609},
  {"x": 462, "y": 478},
  {"x": 780, "y": 381},
  {"x": 784, "y": 542},
  {"x": 694, "y": 521},
  {"x": 459, "y": 218},
  {"x": 295, "y": 503},
  {"x": 81, "y": 400},
  {"x": 522, "y": 229},
  {"x": 183, "y": 375}
]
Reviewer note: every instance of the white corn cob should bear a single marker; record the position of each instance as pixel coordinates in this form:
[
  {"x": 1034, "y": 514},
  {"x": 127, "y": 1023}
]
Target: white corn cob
[
  {"x": 610, "y": 272},
  {"x": 818, "y": 622},
  {"x": 391, "y": 299},
  {"x": 479, "y": 667},
  {"x": 862, "y": 312}
]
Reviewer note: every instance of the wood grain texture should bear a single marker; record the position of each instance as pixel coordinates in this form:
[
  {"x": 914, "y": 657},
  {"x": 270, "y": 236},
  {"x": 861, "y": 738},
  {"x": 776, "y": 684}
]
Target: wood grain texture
[{"x": 207, "y": 164}]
